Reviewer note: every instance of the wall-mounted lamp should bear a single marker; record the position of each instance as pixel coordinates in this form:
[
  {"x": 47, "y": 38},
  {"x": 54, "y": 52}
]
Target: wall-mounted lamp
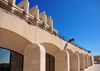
[{"x": 71, "y": 40}]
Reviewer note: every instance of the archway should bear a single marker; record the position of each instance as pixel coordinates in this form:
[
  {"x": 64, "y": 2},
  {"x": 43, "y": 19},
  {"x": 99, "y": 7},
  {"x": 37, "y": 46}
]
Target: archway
[
  {"x": 50, "y": 48},
  {"x": 51, "y": 51},
  {"x": 13, "y": 41},
  {"x": 69, "y": 51},
  {"x": 81, "y": 61},
  {"x": 74, "y": 61}
]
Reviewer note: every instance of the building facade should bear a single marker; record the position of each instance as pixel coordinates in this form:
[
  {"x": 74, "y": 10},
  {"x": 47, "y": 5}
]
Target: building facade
[
  {"x": 28, "y": 42},
  {"x": 97, "y": 59}
]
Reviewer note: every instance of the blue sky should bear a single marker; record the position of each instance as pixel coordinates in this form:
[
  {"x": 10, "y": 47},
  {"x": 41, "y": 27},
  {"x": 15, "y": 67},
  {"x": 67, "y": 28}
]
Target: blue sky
[{"x": 79, "y": 19}]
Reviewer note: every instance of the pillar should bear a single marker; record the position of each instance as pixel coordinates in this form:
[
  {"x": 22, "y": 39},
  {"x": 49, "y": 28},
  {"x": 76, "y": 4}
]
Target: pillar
[
  {"x": 44, "y": 19},
  {"x": 82, "y": 61},
  {"x": 34, "y": 58},
  {"x": 13, "y": 3},
  {"x": 50, "y": 21},
  {"x": 86, "y": 61},
  {"x": 62, "y": 61},
  {"x": 26, "y": 9},
  {"x": 91, "y": 61},
  {"x": 35, "y": 12},
  {"x": 74, "y": 62}
]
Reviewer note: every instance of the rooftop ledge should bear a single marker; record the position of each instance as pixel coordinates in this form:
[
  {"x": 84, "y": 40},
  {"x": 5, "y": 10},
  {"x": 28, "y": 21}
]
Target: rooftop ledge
[{"x": 11, "y": 8}]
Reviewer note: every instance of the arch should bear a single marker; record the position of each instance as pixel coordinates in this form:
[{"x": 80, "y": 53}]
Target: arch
[
  {"x": 34, "y": 58},
  {"x": 69, "y": 51},
  {"x": 13, "y": 41},
  {"x": 91, "y": 60},
  {"x": 62, "y": 61},
  {"x": 77, "y": 52},
  {"x": 50, "y": 48},
  {"x": 74, "y": 60}
]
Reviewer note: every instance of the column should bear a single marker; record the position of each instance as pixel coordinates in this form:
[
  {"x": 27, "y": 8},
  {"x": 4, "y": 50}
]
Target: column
[
  {"x": 62, "y": 61},
  {"x": 34, "y": 58}
]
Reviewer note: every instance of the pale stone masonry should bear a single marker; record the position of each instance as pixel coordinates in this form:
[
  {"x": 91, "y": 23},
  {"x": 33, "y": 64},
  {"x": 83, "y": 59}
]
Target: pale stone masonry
[{"x": 41, "y": 50}]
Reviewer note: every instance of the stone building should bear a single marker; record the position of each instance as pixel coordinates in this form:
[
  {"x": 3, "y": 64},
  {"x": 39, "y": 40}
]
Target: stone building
[
  {"x": 97, "y": 59},
  {"x": 28, "y": 42}
]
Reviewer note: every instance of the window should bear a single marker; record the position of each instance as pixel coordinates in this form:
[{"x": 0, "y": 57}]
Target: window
[
  {"x": 50, "y": 63},
  {"x": 10, "y": 60}
]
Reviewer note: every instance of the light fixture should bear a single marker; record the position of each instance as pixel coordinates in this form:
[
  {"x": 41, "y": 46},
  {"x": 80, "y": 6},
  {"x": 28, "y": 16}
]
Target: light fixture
[{"x": 71, "y": 40}]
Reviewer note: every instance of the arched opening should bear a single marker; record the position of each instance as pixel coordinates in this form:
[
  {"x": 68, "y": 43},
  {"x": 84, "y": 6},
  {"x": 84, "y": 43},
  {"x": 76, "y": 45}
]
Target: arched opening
[
  {"x": 50, "y": 62},
  {"x": 77, "y": 52},
  {"x": 81, "y": 60},
  {"x": 10, "y": 60},
  {"x": 69, "y": 51},
  {"x": 13, "y": 41},
  {"x": 91, "y": 60},
  {"x": 50, "y": 48},
  {"x": 74, "y": 60}
]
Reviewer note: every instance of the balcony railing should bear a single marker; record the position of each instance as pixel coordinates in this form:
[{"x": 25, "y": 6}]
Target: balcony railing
[{"x": 7, "y": 7}]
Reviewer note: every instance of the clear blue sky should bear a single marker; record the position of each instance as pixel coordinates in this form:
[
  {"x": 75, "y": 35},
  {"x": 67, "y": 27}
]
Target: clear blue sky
[{"x": 79, "y": 19}]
